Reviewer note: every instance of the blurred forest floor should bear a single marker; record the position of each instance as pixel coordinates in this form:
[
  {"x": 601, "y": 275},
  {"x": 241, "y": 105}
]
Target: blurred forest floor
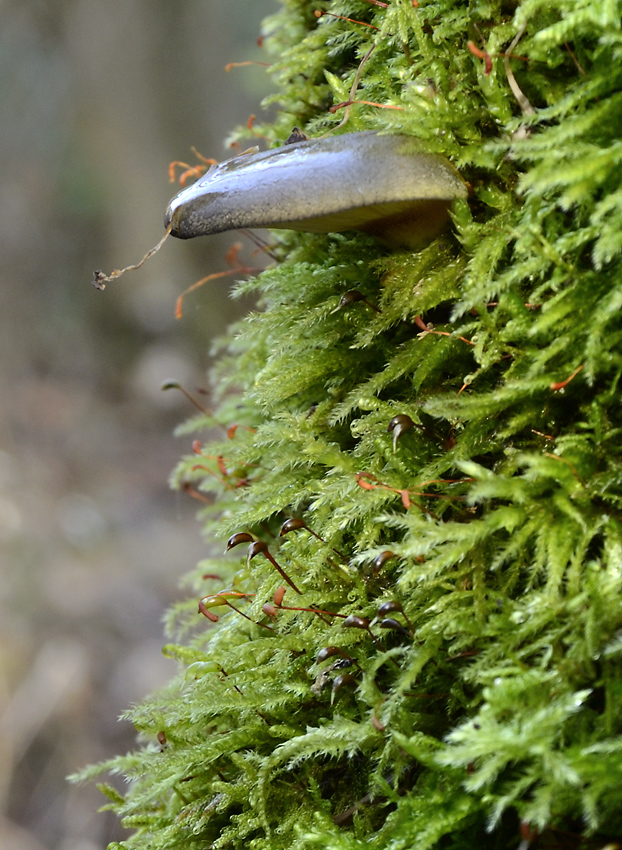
[{"x": 96, "y": 98}]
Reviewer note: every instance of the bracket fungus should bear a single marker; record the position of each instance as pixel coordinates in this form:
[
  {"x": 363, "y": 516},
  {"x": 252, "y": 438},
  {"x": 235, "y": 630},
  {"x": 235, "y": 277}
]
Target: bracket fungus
[{"x": 388, "y": 186}]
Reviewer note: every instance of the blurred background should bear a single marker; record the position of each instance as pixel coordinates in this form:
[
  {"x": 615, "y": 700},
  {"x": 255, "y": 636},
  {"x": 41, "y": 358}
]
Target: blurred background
[{"x": 96, "y": 98}]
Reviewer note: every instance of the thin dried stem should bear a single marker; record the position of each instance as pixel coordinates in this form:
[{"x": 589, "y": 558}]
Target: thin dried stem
[{"x": 100, "y": 279}]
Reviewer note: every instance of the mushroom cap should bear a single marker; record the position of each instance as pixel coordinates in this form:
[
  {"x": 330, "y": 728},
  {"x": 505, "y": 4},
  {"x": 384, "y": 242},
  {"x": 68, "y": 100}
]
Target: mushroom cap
[{"x": 385, "y": 185}]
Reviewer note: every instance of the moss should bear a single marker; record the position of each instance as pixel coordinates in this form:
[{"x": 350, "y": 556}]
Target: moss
[{"x": 486, "y": 703}]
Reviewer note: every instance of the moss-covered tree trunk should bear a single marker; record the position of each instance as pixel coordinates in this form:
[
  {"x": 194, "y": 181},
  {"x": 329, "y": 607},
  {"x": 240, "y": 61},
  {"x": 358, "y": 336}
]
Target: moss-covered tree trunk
[{"x": 482, "y": 705}]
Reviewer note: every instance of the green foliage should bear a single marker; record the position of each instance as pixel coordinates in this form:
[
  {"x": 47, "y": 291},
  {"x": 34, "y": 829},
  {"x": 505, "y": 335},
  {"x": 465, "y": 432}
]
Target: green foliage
[{"x": 492, "y": 515}]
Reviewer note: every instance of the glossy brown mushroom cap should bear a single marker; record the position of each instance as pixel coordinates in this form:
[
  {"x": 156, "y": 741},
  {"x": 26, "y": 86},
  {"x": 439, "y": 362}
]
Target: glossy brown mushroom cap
[{"x": 385, "y": 185}]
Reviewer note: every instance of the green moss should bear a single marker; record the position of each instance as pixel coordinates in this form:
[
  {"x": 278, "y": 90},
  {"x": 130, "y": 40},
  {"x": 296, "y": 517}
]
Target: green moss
[{"x": 500, "y": 699}]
